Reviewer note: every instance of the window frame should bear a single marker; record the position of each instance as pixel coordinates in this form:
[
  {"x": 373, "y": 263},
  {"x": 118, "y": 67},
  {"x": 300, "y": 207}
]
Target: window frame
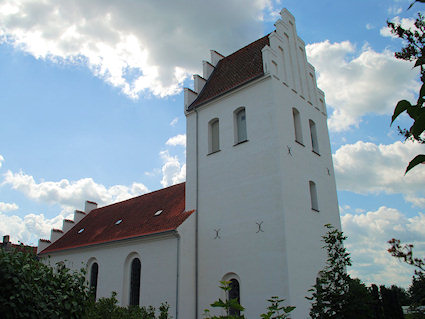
[
  {"x": 313, "y": 137},
  {"x": 314, "y": 201},
  {"x": 214, "y": 136},
  {"x": 240, "y": 131},
  {"x": 296, "y": 117}
]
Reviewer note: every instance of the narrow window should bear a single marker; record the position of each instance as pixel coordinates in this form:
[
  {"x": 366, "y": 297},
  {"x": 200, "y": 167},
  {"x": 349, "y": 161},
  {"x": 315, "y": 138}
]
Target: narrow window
[
  {"x": 313, "y": 196},
  {"x": 297, "y": 126},
  {"x": 135, "y": 282},
  {"x": 234, "y": 293},
  {"x": 94, "y": 271},
  {"x": 313, "y": 135},
  {"x": 240, "y": 121},
  {"x": 214, "y": 137}
]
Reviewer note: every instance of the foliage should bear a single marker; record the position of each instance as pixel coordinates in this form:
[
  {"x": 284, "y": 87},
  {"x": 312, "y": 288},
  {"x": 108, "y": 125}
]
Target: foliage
[
  {"x": 359, "y": 301},
  {"x": 276, "y": 310},
  {"x": 390, "y": 304},
  {"x": 31, "y": 289},
  {"x": 229, "y": 306},
  {"x": 417, "y": 288},
  {"x": 329, "y": 294},
  {"x": 413, "y": 51},
  {"x": 107, "y": 308},
  {"x": 405, "y": 252}
]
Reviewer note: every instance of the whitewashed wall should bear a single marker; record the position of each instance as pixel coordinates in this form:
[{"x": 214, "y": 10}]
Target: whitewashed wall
[
  {"x": 158, "y": 256},
  {"x": 259, "y": 182}
]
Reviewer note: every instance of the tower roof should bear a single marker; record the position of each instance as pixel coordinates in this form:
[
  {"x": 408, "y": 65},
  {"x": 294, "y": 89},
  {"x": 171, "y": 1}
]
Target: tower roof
[
  {"x": 236, "y": 69},
  {"x": 151, "y": 213}
]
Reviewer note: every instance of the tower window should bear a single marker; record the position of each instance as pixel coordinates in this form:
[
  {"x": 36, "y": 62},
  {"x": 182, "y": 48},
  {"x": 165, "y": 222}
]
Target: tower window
[
  {"x": 214, "y": 136},
  {"x": 240, "y": 125},
  {"x": 297, "y": 126},
  {"x": 94, "y": 271},
  {"x": 313, "y": 196},
  {"x": 234, "y": 293},
  {"x": 135, "y": 282},
  {"x": 313, "y": 135}
]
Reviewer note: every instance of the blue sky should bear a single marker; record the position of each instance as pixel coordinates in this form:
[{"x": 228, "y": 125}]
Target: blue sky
[{"x": 92, "y": 108}]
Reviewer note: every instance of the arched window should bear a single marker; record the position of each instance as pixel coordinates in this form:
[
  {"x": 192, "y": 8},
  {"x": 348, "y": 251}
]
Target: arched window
[
  {"x": 234, "y": 293},
  {"x": 136, "y": 268},
  {"x": 313, "y": 196},
  {"x": 313, "y": 135},
  {"x": 240, "y": 125},
  {"x": 297, "y": 126},
  {"x": 213, "y": 136},
  {"x": 94, "y": 271}
]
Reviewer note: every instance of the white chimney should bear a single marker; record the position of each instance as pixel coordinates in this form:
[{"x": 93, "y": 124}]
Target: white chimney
[
  {"x": 43, "y": 244},
  {"x": 89, "y": 206}
]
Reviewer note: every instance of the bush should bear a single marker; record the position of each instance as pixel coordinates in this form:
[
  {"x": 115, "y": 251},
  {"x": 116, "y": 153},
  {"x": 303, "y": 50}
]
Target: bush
[
  {"x": 30, "y": 289},
  {"x": 107, "y": 308}
]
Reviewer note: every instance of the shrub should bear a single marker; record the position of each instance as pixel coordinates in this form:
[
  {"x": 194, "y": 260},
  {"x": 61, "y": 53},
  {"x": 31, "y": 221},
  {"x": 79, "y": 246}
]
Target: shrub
[{"x": 30, "y": 289}]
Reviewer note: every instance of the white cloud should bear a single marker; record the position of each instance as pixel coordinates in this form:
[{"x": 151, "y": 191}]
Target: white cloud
[
  {"x": 71, "y": 193},
  {"x": 31, "y": 227},
  {"x": 394, "y": 10},
  {"x": 137, "y": 46},
  {"x": 360, "y": 83},
  {"x": 173, "y": 171},
  {"x": 368, "y": 234},
  {"x": 177, "y": 140},
  {"x": 365, "y": 167},
  {"x": 6, "y": 207},
  {"x": 174, "y": 121},
  {"x": 369, "y": 26},
  {"x": 406, "y": 23},
  {"x": 1, "y": 160}
]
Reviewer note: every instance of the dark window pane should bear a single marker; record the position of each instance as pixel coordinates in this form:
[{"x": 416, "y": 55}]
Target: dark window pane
[
  {"x": 135, "y": 282},
  {"x": 93, "y": 278},
  {"x": 234, "y": 293}
]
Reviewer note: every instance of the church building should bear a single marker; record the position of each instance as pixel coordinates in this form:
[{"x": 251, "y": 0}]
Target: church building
[{"x": 259, "y": 188}]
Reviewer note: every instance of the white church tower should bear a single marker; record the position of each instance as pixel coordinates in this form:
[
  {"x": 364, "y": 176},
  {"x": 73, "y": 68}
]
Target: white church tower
[{"x": 259, "y": 173}]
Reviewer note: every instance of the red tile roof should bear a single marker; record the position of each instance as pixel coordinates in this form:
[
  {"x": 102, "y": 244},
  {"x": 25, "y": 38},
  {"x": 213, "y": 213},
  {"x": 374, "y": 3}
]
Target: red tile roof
[
  {"x": 233, "y": 71},
  {"x": 28, "y": 249},
  {"x": 137, "y": 215}
]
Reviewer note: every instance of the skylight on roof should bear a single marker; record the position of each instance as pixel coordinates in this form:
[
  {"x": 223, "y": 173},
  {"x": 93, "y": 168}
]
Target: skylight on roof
[
  {"x": 119, "y": 221},
  {"x": 81, "y": 230},
  {"x": 158, "y": 212}
]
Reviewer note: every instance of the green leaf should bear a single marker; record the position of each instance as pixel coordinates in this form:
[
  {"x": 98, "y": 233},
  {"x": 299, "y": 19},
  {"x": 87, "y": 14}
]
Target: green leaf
[
  {"x": 400, "y": 108},
  {"x": 419, "y": 159},
  {"x": 422, "y": 91},
  {"x": 419, "y": 61},
  {"x": 419, "y": 126}
]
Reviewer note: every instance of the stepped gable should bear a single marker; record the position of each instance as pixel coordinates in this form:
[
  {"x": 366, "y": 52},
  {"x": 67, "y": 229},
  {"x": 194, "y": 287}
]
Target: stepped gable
[
  {"x": 232, "y": 71},
  {"x": 137, "y": 217}
]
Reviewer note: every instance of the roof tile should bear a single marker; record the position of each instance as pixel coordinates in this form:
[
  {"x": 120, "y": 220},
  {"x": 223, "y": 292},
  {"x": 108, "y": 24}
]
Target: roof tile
[
  {"x": 137, "y": 215},
  {"x": 232, "y": 71}
]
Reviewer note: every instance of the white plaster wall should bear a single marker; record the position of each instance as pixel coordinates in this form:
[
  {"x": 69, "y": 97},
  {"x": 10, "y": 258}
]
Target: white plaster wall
[
  {"x": 240, "y": 186},
  {"x": 158, "y": 256},
  {"x": 259, "y": 182},
  {"x": 186, "y": 293}
]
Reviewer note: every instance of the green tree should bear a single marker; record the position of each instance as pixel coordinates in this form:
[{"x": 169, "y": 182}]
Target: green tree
[
  {"x": 390, "y": 304},
  {"x": 329, "y": 294},
  {"x": 336, "y": 294},
  {"x": 30, "y": 289},
  {"x": 359, "y": 301},
  {"x": 417, "y": 290}
]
